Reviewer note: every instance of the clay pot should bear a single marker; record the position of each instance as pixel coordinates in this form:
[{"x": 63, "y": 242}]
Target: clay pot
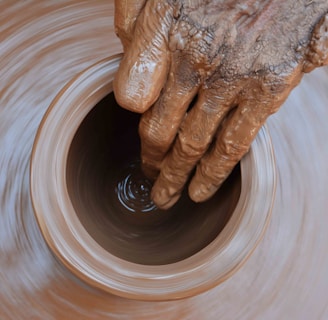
[
  {"x": 44, "y": 45},
  {"x": 76, "y": 166}
]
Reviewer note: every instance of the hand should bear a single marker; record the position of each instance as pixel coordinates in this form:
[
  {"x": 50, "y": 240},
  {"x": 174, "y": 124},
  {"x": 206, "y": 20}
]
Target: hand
[{"x": 234, "y": 61}]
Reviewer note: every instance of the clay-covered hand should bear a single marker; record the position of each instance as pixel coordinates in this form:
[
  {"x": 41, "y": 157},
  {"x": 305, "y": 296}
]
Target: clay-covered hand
[{"x": 206, "y": 75}]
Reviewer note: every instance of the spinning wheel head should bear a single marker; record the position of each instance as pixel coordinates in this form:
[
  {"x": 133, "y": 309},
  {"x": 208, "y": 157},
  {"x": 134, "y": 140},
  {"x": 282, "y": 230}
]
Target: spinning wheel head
[{"x": 76, "y": 166}]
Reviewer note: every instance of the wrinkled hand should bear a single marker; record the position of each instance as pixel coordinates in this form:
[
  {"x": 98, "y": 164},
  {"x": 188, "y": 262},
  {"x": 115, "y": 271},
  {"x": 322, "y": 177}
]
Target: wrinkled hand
[{"x": 237, "y": 61}]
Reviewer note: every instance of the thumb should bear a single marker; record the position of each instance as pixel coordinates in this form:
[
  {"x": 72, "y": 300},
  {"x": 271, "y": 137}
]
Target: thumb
[
  {"x": 126, "y": 13},
  {"x": 144, "y": 67}
]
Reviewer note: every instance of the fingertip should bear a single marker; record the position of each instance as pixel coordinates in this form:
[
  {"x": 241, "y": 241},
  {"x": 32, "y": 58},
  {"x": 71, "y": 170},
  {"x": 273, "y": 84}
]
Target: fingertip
[
  {"x": 163, "y": 197},
  {"x": 200, "y": 191},
  {"x": 141, "y": 75},
  {"x": 129, "y": 92},
  {"x": 144, "y": 67},
  {"x": 317, "y": 51}
]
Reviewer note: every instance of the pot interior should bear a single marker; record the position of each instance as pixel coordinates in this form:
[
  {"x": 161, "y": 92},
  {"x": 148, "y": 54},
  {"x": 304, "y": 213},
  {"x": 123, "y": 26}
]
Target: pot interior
[{"x": 111, "y": 196}]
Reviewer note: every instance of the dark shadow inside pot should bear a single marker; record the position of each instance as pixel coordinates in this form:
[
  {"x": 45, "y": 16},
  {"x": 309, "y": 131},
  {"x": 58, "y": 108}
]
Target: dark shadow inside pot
[{"x": 111, "y": 196}]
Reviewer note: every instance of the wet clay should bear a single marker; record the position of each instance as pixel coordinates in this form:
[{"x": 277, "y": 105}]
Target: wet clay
[
  {"x": 45, "y": 45},
  {"x": 238, "y": 59},
  {"x": 111, "y": 195},
  {"x": 95, "y": 211}
]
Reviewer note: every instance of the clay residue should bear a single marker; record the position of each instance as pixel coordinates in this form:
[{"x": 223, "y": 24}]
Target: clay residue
[
  {"x": 111, "y": 196},
  {"x": 237, "y": 61},
  {"x": 44, "y": 44},
  {"x": 317, "y": 53}
]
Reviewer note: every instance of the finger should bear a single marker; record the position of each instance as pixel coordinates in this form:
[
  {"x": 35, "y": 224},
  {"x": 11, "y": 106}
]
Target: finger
[
  {"x": 126, "y": 13},
  {"x": 231, "y": 145},
  {"x": 144, "y": 67},
  {"x": 194, "y": 137},
  {"x": 317, "y": 54},
  {"x": 160, "y": 124}
]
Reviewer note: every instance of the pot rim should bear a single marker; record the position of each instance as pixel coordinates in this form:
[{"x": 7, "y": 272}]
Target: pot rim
[{"x": 80, "y": 253}]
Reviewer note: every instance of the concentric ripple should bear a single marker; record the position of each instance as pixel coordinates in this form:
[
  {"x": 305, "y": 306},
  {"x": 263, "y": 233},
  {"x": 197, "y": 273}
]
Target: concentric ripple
[
  {"x": 133, "y": 190},
  {"x": 44, "y": 44}
]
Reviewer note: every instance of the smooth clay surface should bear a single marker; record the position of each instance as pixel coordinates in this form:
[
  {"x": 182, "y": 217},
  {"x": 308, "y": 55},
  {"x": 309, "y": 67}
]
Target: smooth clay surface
[
  {"x": 93, "y": 203},
  {"x": 44, "y": 45}
]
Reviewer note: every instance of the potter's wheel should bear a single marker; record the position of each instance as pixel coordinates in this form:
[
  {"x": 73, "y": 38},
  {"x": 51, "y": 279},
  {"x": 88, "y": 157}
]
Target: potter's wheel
[{"x": 44, "y": 46}]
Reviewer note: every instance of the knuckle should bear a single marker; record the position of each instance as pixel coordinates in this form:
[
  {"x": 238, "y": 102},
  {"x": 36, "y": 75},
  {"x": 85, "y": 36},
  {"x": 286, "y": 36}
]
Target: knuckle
[
  {"x": 206, "y": 170},
  {"x": 273, "y": 86},
  {"x": 192, "y": 146},
  {"x": 193, "y": 41},
  {"x": 230, "y": 149},
  {"x": 212, "y": 172},
  {"x": 275, "y": 89},
  {"x": 217, "y": 166},
  {"x": 154, "y": 134},
  {"x": 317, "y": 53}
]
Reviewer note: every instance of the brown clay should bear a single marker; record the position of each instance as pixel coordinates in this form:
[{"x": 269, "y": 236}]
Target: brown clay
[
  {"x": 95, "y": 212},
  {"x": 43, "y": 46},
  {"x": 238, "y": 61}
]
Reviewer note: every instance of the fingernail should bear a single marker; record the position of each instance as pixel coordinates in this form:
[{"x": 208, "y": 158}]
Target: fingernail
[
  {"x": 199, "y": 192},
  {"x": 163, "y": 199}
]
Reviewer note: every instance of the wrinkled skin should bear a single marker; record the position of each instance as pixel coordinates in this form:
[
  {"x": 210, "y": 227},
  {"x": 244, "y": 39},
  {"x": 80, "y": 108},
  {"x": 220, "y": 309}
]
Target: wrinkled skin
[{"x": 240, "y": 59}]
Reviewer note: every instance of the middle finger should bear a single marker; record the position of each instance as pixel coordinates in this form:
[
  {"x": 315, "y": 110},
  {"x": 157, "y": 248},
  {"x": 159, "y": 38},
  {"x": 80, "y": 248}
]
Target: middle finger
[
  {"x": 159, "y": 125},
  {"x": 195, "y": 135}
]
